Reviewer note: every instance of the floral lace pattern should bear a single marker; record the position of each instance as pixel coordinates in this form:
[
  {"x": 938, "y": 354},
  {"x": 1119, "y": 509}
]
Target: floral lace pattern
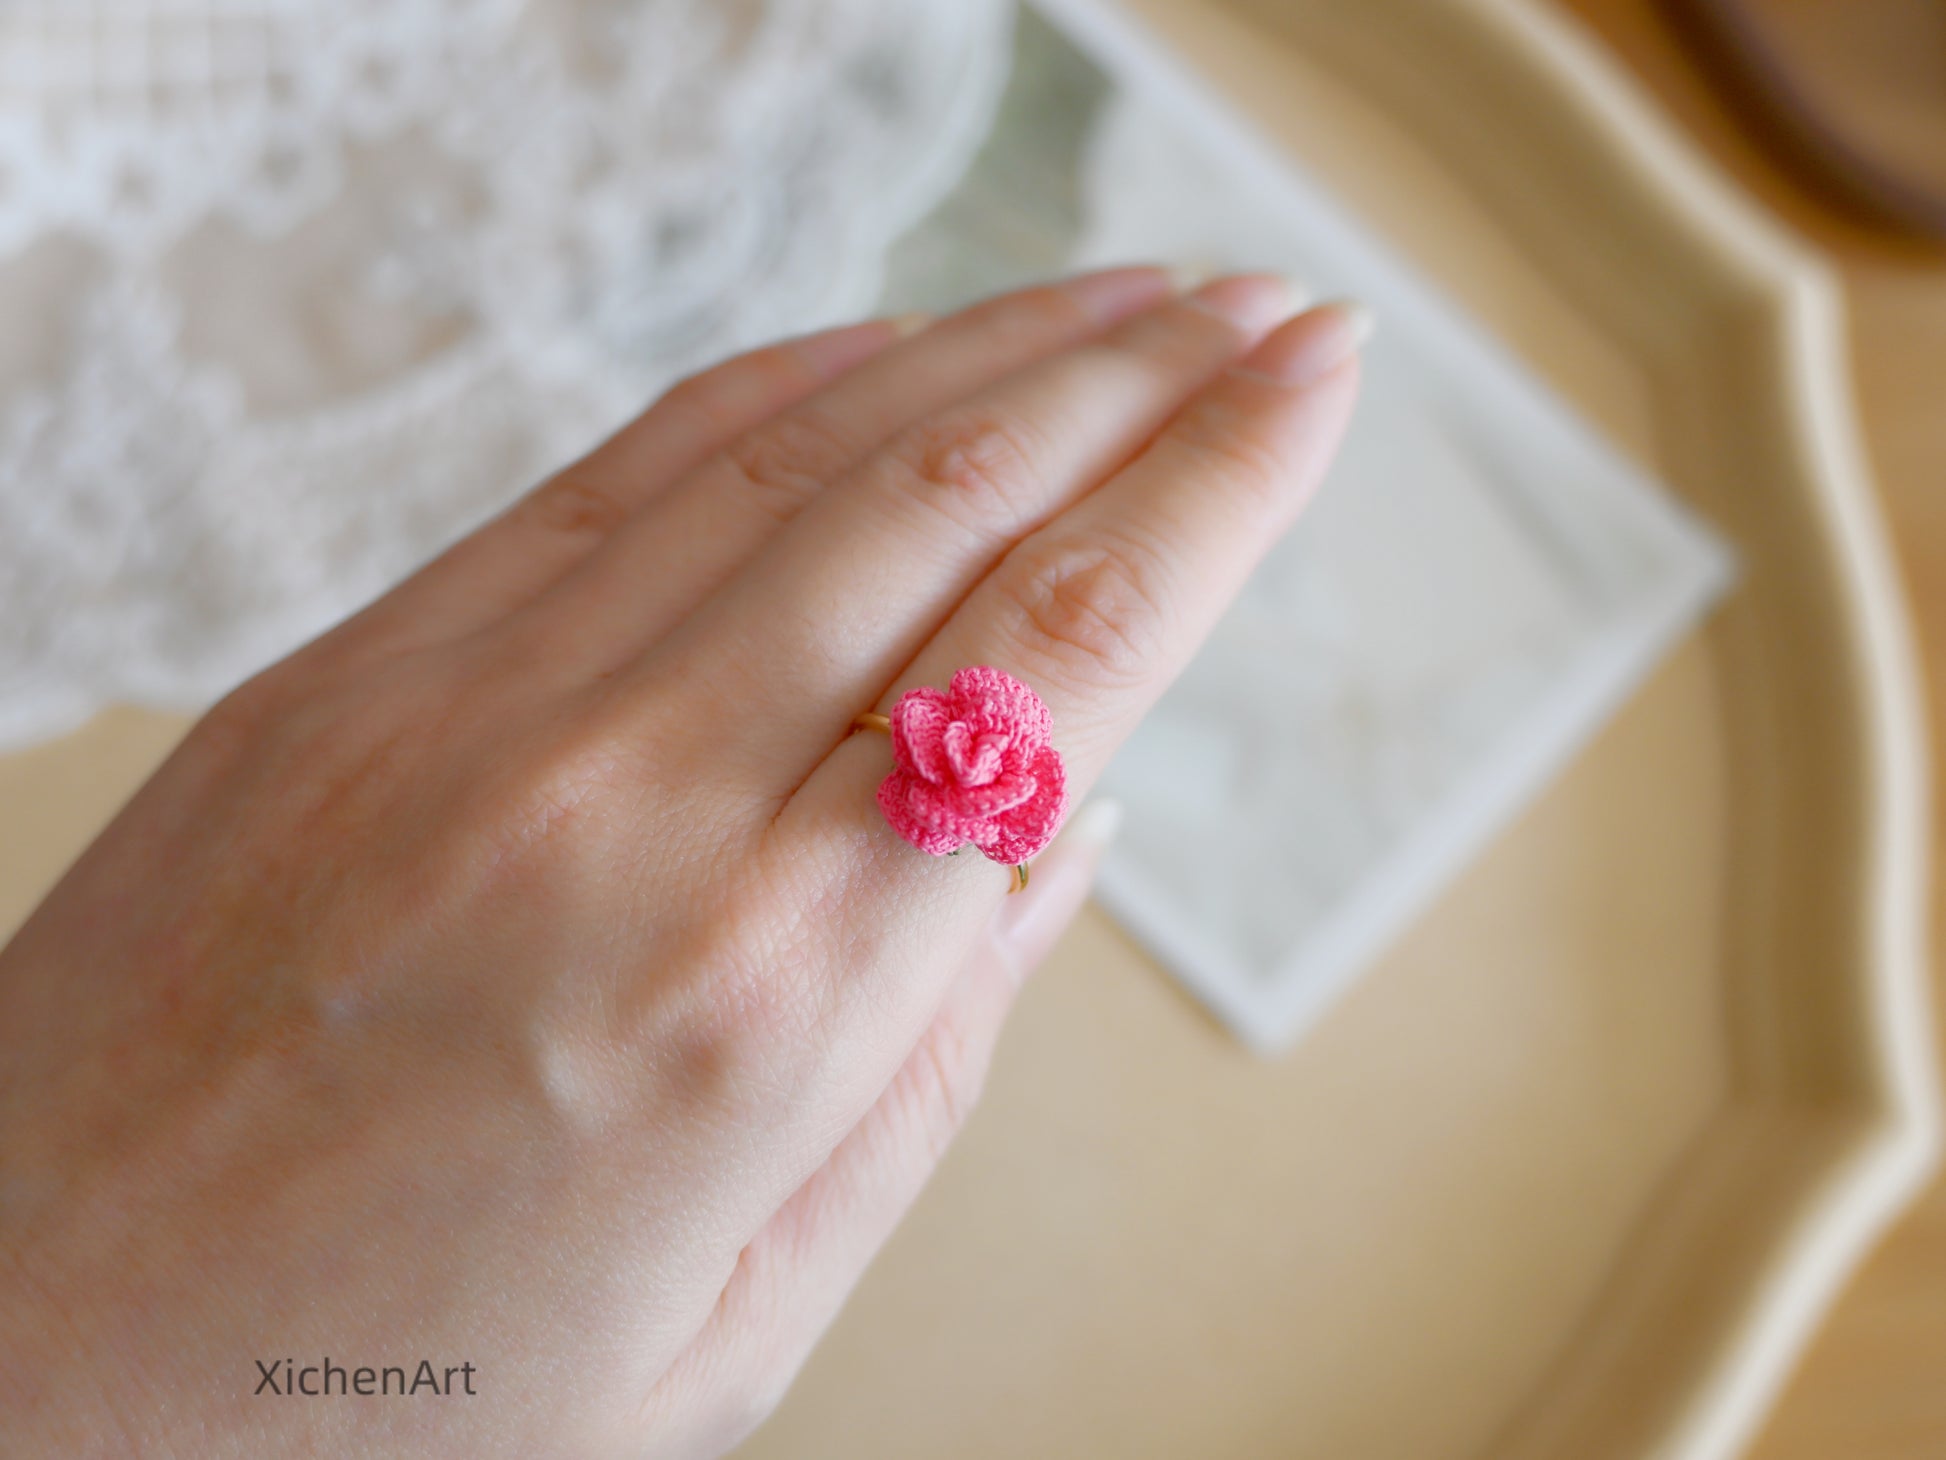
[{"x": 298, "y": 290}]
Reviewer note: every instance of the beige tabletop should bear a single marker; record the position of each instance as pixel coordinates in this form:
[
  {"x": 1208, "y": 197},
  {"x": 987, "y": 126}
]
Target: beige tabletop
[{"x": 1871, "y": 1387}]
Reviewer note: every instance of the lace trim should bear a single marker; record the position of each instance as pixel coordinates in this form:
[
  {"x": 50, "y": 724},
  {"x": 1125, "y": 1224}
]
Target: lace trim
[{"x": 395, "y": 259}]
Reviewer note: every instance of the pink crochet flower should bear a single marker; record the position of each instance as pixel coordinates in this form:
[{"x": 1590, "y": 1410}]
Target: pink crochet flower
[{"x": 974, "y": 765}]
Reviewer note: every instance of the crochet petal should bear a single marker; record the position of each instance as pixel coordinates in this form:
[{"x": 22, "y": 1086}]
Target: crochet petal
[
  {"x": 897, "y": 798},
  {"x": 995, "y": 798},
  {"x": 995, "y": 702},
  {"x": 963, "y": 811},
  {"x": 973, "y": 757},
  {"x": 1019, "y": 755},
  {"x": 1023, "y": 832},
  {"x": 919, "y": 722}
]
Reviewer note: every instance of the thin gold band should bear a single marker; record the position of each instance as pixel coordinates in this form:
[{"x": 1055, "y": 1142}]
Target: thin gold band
[{"x": 871, "y": 720}]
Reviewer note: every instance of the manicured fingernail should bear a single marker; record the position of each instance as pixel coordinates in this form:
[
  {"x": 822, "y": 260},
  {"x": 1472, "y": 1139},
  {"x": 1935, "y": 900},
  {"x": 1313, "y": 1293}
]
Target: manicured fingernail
[
  {"x": 1312, "y": 345},
  {"x": 1112, "y": 295},
  {"x": 907, "y": 325},
  {"x": 1251, "y": 302},
  {"x": 832, "y": 352}
]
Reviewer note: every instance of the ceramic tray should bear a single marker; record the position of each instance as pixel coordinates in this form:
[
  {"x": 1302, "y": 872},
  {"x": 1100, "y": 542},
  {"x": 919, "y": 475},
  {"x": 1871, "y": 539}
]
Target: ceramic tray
[{"x": 1576, "y": 1167}]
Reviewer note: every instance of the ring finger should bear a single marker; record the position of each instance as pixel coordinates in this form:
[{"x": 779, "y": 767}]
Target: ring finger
[{"x": 1101, "y": 609}]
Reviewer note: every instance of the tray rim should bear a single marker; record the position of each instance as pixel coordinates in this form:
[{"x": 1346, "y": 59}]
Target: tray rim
[{"x": 1883, "y": 1141}]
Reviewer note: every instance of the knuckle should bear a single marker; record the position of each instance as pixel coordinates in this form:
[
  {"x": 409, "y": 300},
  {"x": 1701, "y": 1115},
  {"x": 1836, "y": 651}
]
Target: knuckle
[
  {"x": 743, "y": 1038},
  {"x": 1239, "y": 460},
  {"x": 974, "y": 465},
  {"x": 743, "y": 1019},
  {"x": 552, "y": 798},
  {"x": 787, "y": 460},
  {"x": 1089, "y": 613},
  {"x": 573, "y": 785}
]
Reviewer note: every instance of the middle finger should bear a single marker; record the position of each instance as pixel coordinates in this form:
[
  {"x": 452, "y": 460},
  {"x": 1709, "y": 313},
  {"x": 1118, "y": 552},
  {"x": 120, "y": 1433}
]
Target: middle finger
[
  {"x": 841, "y": 599},
  {"x": 657, "y": 566}
]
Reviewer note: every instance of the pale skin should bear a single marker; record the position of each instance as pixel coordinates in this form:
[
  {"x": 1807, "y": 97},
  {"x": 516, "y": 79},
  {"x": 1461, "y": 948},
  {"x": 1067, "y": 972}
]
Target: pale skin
[{"x": 522, "y": 975}]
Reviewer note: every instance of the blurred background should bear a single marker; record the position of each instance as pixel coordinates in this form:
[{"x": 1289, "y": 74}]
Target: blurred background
[
  {"x": 1856, "y": 171},
  {"x": 1506, "y": 1028}
]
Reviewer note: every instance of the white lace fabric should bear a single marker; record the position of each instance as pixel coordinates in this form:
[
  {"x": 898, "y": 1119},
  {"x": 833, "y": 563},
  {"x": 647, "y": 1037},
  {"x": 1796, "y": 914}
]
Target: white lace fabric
[{"x": 298, "y": 290}]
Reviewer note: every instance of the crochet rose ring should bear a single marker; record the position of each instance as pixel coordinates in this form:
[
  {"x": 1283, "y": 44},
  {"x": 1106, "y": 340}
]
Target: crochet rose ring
[{"x": 973, "y": 764}]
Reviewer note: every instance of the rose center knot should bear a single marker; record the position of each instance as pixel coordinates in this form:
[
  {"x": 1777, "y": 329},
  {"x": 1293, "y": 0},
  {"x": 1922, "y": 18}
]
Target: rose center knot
[{"x": 974, "y": 758}]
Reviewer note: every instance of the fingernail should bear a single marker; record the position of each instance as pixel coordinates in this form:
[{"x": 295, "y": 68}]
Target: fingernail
[
  {"x": 834, "y": 351},
  {"x": 1112, "y": 295},
  {"x": 1312, "y": 345},
  {"x": 1251, "y": 302},
  {"x": 1361, "y": 319},
  {"x": 1095, "y": 825},
  {"x": 907, "y": 325}
]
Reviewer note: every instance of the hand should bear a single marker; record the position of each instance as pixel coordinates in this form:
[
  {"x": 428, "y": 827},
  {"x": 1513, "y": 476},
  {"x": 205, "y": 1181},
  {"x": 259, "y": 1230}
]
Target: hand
[{"x": 522, "y": 978}]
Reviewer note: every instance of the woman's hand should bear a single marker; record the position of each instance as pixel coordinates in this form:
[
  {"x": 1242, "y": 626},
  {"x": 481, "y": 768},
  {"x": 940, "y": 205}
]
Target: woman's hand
[{"x": 522, "y": 978}]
